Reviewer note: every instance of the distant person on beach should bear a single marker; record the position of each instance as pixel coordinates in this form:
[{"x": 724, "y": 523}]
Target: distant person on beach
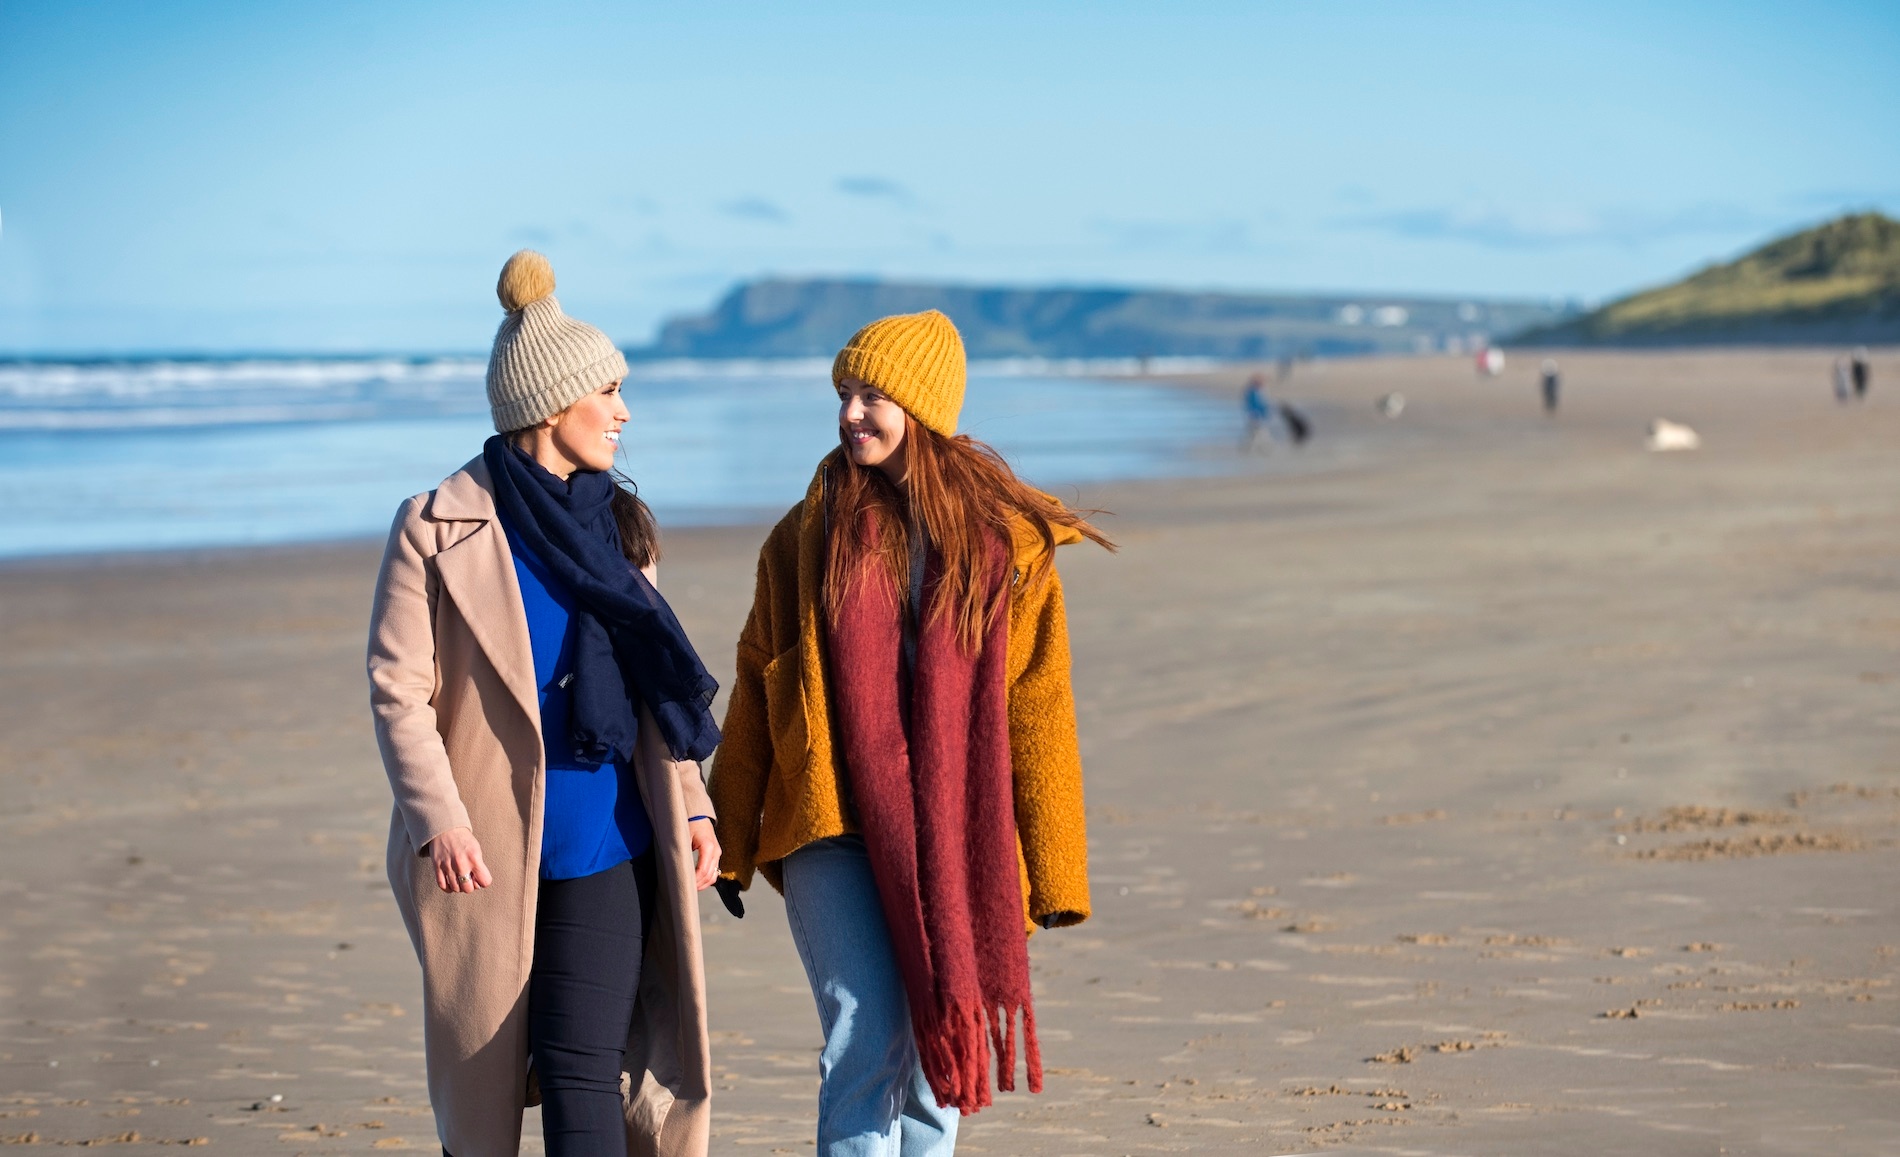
[
  {"x": 1259, "y": 411},
  {"x": 901, "y": 756},
  {"x": 1843, "y": 380},
  {"x": 542, "y": 717},
  {"x": 1549, "y": 383},
  {"x": 1861, "y": 373}
]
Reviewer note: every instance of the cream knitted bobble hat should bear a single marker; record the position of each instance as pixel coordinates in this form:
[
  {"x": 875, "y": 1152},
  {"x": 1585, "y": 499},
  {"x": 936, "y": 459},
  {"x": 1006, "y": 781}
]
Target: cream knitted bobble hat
[{"x": 543, "y": 361}]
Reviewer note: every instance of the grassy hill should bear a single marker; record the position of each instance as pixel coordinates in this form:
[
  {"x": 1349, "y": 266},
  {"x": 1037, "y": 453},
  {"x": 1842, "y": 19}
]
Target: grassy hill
[{"x": 1838, "y": 282}]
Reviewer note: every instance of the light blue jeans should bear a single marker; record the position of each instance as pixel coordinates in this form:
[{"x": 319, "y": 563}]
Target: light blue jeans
[{"x": 873, "y": 1100}]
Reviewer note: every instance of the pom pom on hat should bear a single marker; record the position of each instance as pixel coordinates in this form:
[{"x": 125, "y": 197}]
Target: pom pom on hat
[{"x": 526, "y": 279}]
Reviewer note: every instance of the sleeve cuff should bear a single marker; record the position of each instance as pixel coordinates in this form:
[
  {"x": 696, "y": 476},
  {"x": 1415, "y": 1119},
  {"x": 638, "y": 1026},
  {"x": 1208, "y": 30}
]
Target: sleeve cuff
[{"x": 423, "y": 829}]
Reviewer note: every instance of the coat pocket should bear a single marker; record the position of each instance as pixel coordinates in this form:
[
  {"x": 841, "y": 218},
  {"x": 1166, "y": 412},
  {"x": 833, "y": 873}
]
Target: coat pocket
[{"x": 785, "y": 713}]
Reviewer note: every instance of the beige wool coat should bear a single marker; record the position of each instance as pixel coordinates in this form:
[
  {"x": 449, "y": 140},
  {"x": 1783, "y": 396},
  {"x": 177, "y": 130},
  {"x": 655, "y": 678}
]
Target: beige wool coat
[{"x": 458, "y": 719}]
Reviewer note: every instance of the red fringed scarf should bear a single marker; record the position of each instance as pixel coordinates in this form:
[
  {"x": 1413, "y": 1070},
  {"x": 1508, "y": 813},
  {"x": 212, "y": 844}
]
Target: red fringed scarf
[{"x": 938, "y": 815}]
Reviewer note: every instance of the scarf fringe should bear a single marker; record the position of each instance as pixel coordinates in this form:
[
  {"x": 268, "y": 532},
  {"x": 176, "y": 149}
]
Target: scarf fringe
[{"x": 956, "y": 1045}]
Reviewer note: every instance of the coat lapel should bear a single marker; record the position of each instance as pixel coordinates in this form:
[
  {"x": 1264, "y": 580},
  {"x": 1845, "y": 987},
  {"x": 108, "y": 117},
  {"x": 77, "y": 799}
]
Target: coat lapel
[{"x": 478, "y": 572}]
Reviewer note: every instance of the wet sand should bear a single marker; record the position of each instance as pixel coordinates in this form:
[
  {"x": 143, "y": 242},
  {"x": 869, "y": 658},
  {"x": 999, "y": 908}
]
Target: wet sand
[{"x": 1470, "y": 782}]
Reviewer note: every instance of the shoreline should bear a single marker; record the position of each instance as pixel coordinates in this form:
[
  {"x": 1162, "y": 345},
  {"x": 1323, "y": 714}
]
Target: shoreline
[
  {"x": 311, "y": 549},
  {"x": 1311, "y": 377},
  {"x": 277, "y": 484},
  {"x": 481, "y": 355}
]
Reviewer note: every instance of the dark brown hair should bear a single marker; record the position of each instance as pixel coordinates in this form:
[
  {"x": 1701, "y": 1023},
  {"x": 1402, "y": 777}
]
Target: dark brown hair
[
  {"x": 639, "y": 531},
  {"x": 962, "y": 494}
]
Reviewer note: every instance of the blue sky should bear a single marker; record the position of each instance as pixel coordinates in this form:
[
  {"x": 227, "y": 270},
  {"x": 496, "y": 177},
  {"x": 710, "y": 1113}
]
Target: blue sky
[{"x": 339, "y": 176}]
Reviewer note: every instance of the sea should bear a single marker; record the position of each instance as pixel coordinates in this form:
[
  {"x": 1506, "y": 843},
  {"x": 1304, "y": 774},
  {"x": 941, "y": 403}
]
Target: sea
[{"x": 169, "y": 454}]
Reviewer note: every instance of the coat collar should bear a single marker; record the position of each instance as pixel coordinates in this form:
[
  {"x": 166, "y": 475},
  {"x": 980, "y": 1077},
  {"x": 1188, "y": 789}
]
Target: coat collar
[
  {"x": 478, "y": 572},
  {"x": 467, "y": 495}
]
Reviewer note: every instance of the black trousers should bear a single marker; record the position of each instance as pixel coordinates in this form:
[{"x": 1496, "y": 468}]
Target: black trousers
[{"x": 589, "y": 935}]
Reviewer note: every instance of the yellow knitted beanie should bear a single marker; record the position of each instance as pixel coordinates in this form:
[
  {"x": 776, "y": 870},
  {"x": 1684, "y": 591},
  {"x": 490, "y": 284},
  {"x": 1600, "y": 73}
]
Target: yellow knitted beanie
[{"x": 916, "y": 359}]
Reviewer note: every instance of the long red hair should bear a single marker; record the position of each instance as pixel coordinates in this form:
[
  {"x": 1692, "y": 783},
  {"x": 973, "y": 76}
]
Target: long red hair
[{"x": 963, "y": 496}]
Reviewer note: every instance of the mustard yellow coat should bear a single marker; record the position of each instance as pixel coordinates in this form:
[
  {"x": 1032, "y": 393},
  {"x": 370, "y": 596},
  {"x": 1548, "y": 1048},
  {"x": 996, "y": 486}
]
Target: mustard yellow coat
[{"x": 775, "y": 779}]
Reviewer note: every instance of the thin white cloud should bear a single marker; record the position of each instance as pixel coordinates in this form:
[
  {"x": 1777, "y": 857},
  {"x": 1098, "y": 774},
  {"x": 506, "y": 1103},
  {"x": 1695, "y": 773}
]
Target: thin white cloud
[
  {"x": 1500, "y": 227},
  {"x": 756, "y": 209},
  {"x": 877, "y": 189},
  {"x": 1224, "y": 236}
]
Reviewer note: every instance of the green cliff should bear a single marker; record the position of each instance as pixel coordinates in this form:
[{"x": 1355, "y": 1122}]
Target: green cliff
[
  {"x": 805, "y": 318},
  {"x": 1834, "y": 283}
]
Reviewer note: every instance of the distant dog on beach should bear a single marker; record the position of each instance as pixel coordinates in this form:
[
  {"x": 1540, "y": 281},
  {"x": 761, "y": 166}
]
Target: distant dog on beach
[
  {"x": 1298, "y": 427},
  {"x": 1665, "y": 435}
]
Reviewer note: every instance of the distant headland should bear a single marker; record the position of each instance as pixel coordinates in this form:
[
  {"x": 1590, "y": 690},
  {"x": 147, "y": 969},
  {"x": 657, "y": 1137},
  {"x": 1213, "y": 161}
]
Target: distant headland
[
  {"x": 1836, "y": 283},
  {"x": 813, "y": 317}
]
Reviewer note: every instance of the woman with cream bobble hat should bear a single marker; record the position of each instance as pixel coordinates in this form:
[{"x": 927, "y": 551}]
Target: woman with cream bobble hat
[
  {"x": 542, "y": 716},
  {"x": 900, "y": 757}
]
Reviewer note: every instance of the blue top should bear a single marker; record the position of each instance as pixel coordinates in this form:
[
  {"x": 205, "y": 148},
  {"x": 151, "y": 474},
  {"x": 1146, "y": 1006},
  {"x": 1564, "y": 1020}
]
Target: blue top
[{"x": 591, "y": 818}]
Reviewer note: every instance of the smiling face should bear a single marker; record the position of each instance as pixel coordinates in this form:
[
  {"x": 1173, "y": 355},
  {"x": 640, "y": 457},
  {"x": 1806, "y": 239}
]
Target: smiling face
[
  {"x": 871, "y": 427},
  {"x": 582, "y": 437}
]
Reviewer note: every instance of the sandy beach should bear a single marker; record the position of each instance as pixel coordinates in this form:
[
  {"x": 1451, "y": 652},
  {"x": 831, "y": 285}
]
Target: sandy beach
[{"x": 1471, "y": 782}]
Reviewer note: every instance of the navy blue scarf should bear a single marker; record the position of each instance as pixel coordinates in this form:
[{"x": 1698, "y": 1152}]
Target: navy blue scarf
[{"x": 628, "y": 648}]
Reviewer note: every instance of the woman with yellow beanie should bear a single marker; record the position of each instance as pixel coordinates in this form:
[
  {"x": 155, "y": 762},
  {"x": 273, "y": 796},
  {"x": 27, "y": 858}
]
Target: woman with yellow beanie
[
  {"x": 542, "y": 717},
  {"x": 900, "y": 755}
]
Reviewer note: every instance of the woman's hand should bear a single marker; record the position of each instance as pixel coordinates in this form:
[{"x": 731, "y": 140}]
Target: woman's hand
[
  {"x": 458, "y": 862},
  {"x": 706, "y": 849}
]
